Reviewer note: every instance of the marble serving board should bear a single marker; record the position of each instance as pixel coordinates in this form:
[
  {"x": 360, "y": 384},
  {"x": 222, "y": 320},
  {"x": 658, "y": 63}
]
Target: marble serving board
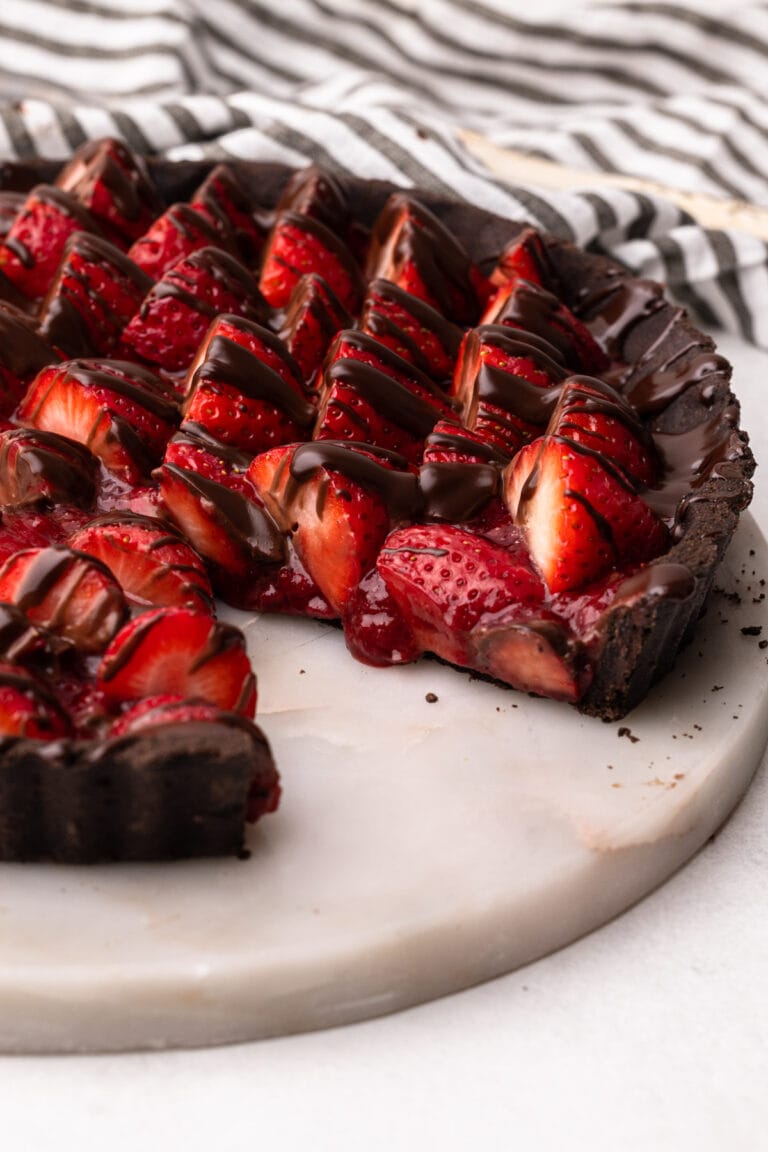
[{"x": 422, "y": 845}]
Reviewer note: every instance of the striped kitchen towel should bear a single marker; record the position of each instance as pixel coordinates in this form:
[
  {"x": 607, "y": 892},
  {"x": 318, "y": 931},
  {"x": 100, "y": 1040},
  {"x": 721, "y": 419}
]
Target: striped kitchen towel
[{"x": 652, "y": 89}]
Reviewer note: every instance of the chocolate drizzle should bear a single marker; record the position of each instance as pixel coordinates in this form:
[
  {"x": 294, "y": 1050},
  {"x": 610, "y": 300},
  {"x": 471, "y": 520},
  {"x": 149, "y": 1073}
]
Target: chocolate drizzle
[
  {"x": 22, "y": 351},
  {"x": 387, "y": 396},
  {"x": 60, "y": 570},
  {"x": 43, "y": 466},
  {"x": 406, "y": 233},
  {"x": 227, "y": 362},
  {"x": 108, "y": 162}
]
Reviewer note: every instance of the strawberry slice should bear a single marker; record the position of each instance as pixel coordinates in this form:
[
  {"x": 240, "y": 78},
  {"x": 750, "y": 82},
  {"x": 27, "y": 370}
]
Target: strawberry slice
[
  {"x": 183, "y": 652},
  {"x": 411, "y": 248},
  {"x": 521, "y": 304},
  {"x": 581, "y": 513},
  {"x": 525, "y": 258},
  {"x": 298, "y": 245},
  {"x": 532, "y": 651},
  {"x": 178, "y": 232},
  {"x": 121, "y": 412},
  {"x": 205, "y": 490},
  {"x": 194, "y": 449},
  {"x": 224, "y": 201},
  {"x": 93, "y": 295},
  {"x": 312, "y": 319},
  {"x": 372, "y": 395},
  {"x": 28, "y": 708},
  {"x": 112, "y": 182},
  {"x": 22, "y": 642},
  {"x": 411, "y": 328},
  {"x": 151, "y": 561},
  {"x": 312, "y": 191},
  {"x": 165, "y": 709},
  {"x": 176, "y": 313},
  {"x": 446, "y": 580},
  {"x": 72, "y": 595},
  {"x": 43, "y": 468},
  {"x": 335, "y": 499},
  {"x": 504, "y": 381},
  {"x": 246, "y": 390},
  {"x": 30, "y": 253},
  {"x": 449, "y": 444},
  {"x": 592, "y": 414},
  {"x": 23, "y": 352},
  {"x": 375, "y": 629}
]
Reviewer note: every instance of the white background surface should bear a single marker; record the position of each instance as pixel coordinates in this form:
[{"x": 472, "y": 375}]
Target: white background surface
[{"x": 651, "y": 1033}]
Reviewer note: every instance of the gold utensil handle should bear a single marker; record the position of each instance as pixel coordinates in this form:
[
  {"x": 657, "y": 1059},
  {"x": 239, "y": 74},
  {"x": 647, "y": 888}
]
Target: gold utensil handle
[{"x": 709, "y": 211}]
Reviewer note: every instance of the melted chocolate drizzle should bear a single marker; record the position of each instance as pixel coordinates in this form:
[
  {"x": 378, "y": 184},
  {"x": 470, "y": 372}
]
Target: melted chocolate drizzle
[{"x": 227, "y": 362}]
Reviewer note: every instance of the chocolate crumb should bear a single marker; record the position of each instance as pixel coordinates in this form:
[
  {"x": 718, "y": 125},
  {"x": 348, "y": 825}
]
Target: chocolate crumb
[
  {"x": 624, "y": 731},
  {"x": 752, "y": 630},
  {"x": 717, "y": 687},
  {"x": 301, "y": 671},
  {"x": 431, "y": 698},
  {"x": 763, "y": 644},
  {"x": 244, "y": 854}
]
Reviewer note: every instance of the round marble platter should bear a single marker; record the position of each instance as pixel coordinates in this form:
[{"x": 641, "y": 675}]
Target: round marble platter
[{"x": 422, "y": 846}]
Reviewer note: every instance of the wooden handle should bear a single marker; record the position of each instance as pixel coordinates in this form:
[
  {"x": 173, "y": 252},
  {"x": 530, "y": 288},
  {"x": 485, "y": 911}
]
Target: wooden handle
[{"x": 709, "y": 211}]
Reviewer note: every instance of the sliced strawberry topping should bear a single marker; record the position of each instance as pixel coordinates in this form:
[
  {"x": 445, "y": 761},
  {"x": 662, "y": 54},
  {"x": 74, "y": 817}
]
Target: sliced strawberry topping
[
  {"x": 151, "y": 561},
  {"x": 182, "y": 652},
  {"x": 121, "y": 412},
  {"x": 591, "y": 413},
  {"x": 27, "y": 707},
  {"x": 246, "y": 390},
  {"x": 445, "y": 580},
  {"x": 94, "y": 294},
  {"x": 178, "y": 232},
  {"x": 533, "y": 652},
  {"x": 525, "y": 258},
  {"x": 312, "y": 191},
  {"x": 290, "y": 589},
  {"x": 449, "y": 444},
  {"x": 337, "y": 500},
  {"x": 414, "y": 250},
  {"x": 298, "y": 245},
  {"x": 176, "y": 313},
  {"x": 520, "y": 304},
  {"x": 205, "y": 490},
  {"x": 225, "y": 202},
  {"x": 41, "y": 467},
  {"x": 23, "y": 352},
  {"x": 582, "y": 514},
  {"x": 166, "y": 709},
  {"x": 375, "y": 628},
  {"x": 411, "y": 328},
  {"x": 21, "y": 641},
  {"x": 505, "y": 383},
  {"x": 372, "y": 395},
  {"x": 30, "y": 253},
  {"x": 72, "y": 595},
  {"x": 312, "y": 319},
  {"x": 195, "y": 450},
  {"x": 112, "y": 183}
]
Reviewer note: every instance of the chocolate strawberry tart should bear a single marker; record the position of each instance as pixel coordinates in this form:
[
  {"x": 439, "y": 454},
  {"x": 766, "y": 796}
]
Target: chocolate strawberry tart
[{"x": 451, "y": 434}]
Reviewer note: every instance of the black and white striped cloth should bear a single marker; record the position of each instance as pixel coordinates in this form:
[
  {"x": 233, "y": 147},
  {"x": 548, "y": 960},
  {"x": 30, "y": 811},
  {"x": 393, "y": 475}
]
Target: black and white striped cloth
[{"x": 381, "y": 89}]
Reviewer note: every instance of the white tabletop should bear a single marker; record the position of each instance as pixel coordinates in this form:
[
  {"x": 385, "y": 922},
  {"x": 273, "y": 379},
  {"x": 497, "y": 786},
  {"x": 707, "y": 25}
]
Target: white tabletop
[{"x": 652, "y": 1033}]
